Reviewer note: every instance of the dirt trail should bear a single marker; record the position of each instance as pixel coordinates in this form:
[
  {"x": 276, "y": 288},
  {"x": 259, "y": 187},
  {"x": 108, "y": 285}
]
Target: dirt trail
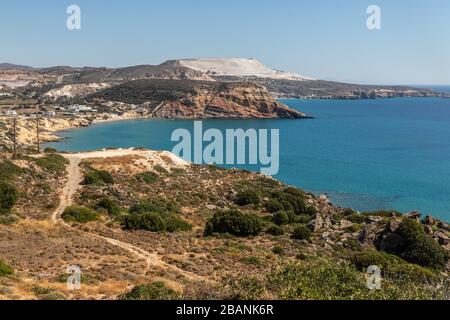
[{"x": 73, "y": 184}]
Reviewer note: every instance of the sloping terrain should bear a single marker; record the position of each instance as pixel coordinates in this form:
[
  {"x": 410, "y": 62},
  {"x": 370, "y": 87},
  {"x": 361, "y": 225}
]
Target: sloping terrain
[{"x": 149, "y": 221}]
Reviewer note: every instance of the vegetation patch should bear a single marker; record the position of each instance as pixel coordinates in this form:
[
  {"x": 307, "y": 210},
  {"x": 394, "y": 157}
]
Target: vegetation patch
[
  {"x": 147, "y": 177},
  {"x": 150, "y": 221},
  {"x": 154, "y": 291},
  {"x": 247, "y": 197},
  {"x": 301, "y": 232},
  {"x": 52, "y": 162},
  {"x": 5, "y": 269},
  {"x": 418, "y": 247},
  {"x": 8, "y": 196},
  {"x": 391, "y": 265},
  {"x": 235, "y": 223},
  {"x": 98, "y": 177},
  {"x": 79, "y": 214}
]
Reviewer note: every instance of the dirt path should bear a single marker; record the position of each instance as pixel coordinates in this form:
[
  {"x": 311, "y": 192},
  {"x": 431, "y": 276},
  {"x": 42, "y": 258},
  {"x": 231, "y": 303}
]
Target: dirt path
[{"x": 73, "y": 184}]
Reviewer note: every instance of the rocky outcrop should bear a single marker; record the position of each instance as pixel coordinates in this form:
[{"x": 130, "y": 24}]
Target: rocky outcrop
[{"x": 178, "y": 99}]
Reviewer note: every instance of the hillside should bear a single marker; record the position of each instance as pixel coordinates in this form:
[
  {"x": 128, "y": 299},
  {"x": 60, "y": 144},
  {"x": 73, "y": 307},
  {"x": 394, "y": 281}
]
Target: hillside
[
  {"x": 280, "y": 84},
  {"x": 147, "y": 225},
  {"x": 198, "y": 99},
  {"x": 236, "y": 67}
]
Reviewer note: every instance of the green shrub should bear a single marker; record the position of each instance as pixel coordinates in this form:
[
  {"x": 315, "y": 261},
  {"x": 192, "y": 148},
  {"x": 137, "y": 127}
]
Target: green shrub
[
  {"x": 8, "y": 170},
  {"x": 98, "y": 177},
  {"x": 235, "y": 223},
  {"x": 274, "y": 205},
  {"x": 247, "y": 197},
  {"x": 302, "y": 218},
  {"x": 278, "y": 250},
  {"x": 147, "y": 177},
  {"x": 418, "y": 247},
  {"x": 174, "y": 224},
  {"x": 52, "y": 162},
  {"x": 154, "y": 291},
  {"x": 44, "y": 187},
  {"x": 391, "y": 265},
  {"x": 8, "y": 196},
  {"x": 50, "y": 150},
  {"x": 109, "y": 205},
  {"x": 149, "y": 221},
  {"x": 158, "y": 205},
  {"x": 5, "y": 269},
  {"x": 280, "y": 218},
  {"x": 160, "y": 169},
  {"x": 79, "y": 214},
  {"x": 275, "y": 231},
  {"x": 292, "y": 199},
  {"x": 325, "y": 280},
  {"x": 301, "y": 232}
]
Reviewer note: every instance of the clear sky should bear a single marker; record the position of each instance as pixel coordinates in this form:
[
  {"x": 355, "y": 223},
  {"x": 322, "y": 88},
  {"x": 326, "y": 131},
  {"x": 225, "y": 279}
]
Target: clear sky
[{"x": 326, "y": 39}]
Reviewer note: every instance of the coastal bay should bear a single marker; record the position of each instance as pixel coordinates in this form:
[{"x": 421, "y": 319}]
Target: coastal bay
[{"x": 365, "y": 154}]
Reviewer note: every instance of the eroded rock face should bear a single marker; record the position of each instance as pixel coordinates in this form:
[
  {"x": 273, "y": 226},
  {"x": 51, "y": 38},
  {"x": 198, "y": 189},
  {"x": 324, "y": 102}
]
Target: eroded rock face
[
  {"x": 320, "y": 222},
  {"x": 243, "y": 101}
]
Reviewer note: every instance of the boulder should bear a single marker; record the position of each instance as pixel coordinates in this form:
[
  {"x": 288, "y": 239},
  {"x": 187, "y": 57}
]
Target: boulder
[
  {"x": 429, "y": 221},
  {"x": 414, "y": 215},
  {"x": 442, "y": 238},
  {"x": 428, "y": 230},
  {"x": 320, "y": 222},
  {"x": 368, "y": 235}
]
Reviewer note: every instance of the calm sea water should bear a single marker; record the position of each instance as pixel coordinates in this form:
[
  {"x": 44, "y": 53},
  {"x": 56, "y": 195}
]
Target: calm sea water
[{"x": 366, "y": 154}]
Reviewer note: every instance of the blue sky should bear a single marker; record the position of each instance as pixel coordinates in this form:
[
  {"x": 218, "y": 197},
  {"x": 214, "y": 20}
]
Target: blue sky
[{"x": 326, "y": 39}]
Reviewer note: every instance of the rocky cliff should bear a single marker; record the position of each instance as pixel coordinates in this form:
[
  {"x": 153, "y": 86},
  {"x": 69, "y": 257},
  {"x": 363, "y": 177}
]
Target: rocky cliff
[{"x": 199, "y": 99}]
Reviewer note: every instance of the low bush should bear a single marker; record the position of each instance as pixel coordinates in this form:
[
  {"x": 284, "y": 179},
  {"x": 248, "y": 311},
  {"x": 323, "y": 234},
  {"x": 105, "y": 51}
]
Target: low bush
[
  {"x": 391, "y": 265},
  {"x": 79, "y": 214},
  {"x": 419, "y": 248},
  {"x": 8, "y": 170},
  {"x": 160, "y": 169},
  {"x": 98, "y": 177},
  {"x": 147, "y": 177},
  {"x": 275, "y": 230},
  {"x": 278, "y": 250},
  {"x": 5, "y": 269},
  {"x": 247, "y": 197},
  {"x": 8, "y": 196},
  {"x": 154, "y": 291},
  {"x": 280, "y": 218},
  {"x": 290, "y": 199},
  {"x": 274, "y": 205},
  {"x": 149, "y": 221},
  {"x": 301, "y": 232},
  {"x": 173, "y": 224},
  {"x": 111, "y": 207},
  {"x": 50, "y": 150},
  {"x": 52, "y": 162},
  {"x": 325, "y": 280},
  {"x": 158, "y": 205},
  {"x": 234, "y": 222}
]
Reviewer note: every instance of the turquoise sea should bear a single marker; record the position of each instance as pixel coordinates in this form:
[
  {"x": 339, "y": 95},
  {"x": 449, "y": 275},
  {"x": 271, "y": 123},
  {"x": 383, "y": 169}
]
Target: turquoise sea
[{"x": 365, "y": 154}]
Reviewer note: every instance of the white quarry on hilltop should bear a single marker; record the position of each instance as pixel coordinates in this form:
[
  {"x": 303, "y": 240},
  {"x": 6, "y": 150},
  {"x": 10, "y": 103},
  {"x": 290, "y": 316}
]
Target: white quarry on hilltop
[{"x": 238, "y": 67}]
